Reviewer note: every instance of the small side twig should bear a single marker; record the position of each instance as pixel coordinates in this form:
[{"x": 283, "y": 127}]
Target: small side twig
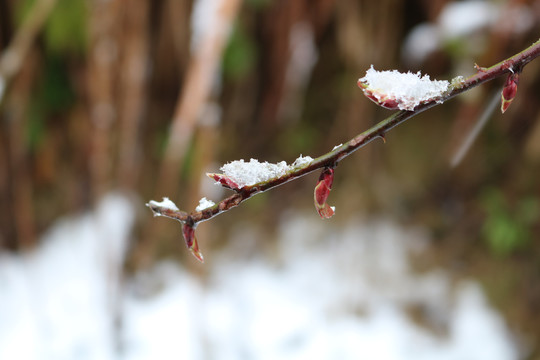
[{"x": 329, "y": 160}]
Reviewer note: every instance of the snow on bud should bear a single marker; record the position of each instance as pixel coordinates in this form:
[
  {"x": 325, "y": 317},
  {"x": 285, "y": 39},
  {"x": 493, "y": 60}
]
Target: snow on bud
[
  {"x": 509, "y": 91},
  {"x": 404, "y": 91},
  {"x": 204, "y": 204},
  {"x": 239, "y": 173},
  {"x": 191, "y": 241},
  {"x": 322, "y": 190},
  {"x": 165, "y": 204}
]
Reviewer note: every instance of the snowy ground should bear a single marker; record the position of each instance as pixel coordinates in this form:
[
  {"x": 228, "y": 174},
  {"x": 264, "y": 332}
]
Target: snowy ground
[{"x": 327, "y": 292}]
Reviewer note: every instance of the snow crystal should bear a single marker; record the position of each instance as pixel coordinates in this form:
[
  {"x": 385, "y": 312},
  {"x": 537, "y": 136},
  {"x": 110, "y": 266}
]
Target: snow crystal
[
  {"x": 302, "y": 160},
  {"x": 407, "y": 89},
  {"x": 204, "y": 203},
  {"x": 165, "y": 203},
  {"x": 254, "y": 172}
]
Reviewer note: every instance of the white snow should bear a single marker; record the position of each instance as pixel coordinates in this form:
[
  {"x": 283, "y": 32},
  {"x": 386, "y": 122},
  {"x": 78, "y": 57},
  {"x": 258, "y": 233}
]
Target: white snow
[
  {"x": 301, "y": 161},
  {"x": 254, "y": 172},
  {"x": 165, "y": 203},
  {"x": 325, "y": 291},
  {"x": 59, "y": 302},
  {"x": 408, "y": 89},
  {"x": 204, "y": 203}
]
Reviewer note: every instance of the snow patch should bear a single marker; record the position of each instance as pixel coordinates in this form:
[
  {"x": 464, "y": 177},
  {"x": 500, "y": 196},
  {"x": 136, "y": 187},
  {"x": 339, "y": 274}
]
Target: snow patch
[
  {"x": 254, "y": 172},
  {"x": 204, "y": 203},
  {"x": 408, "y": 90},
  {"x": 165, "y": 203},
  {"x": 325, "y": 291},
  {"x": 59, "y": 301}
]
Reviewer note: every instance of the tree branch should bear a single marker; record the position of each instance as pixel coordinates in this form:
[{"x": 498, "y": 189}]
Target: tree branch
[{"x": 512, "y": 65}]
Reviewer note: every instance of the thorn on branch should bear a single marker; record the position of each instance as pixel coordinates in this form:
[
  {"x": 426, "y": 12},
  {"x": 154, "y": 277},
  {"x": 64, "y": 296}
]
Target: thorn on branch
[{"x": 322, "y": 190}]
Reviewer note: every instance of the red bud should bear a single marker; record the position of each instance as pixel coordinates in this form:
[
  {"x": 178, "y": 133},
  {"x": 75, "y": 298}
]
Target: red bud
[
  {"x": 224, "y": 180},
  {"x": 191, "y": 241},
  {"x": 509, "y": 91},
  {"x": 322, "y": 190}
]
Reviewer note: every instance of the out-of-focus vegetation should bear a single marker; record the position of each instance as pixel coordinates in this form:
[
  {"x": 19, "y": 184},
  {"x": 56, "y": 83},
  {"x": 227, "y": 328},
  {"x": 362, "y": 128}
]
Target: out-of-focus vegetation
[
  {"x": 508, "y": 228},
  {"x": 91, "y": 108}
]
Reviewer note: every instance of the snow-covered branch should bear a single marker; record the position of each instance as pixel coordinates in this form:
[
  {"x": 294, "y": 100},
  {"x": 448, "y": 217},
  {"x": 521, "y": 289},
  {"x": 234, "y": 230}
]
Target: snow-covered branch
[{"x": 410, "y": 93}]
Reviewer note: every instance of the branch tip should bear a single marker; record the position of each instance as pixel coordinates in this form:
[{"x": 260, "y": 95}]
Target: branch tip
[
  {"x": 188, "y": 231},
  {"x": 322, "y": 190}
]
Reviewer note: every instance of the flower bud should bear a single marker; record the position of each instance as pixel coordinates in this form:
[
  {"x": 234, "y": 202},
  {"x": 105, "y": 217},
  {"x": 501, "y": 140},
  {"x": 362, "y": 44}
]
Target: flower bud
[
  {"x": 322, "y": 190},
  {"x": 378, "y": 97},
  {"x": 225, "y": 181},
  {"x": 191, "y": 241},
  {"x": 509, "y": 91}
]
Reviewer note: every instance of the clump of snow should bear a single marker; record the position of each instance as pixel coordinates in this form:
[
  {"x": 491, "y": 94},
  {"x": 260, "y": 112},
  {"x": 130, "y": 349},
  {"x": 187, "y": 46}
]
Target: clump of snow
[
  {"x": 302, "y": 160},
  {"x": 254, "y": 172},
  {"x": 407, "y": 89},
  {"x": 204, "y": 203},
  {"x": 165, "y": 203}
]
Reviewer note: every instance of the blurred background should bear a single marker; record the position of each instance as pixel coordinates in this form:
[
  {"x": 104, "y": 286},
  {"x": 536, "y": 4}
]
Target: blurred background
[{"x": 105, "y": 105}]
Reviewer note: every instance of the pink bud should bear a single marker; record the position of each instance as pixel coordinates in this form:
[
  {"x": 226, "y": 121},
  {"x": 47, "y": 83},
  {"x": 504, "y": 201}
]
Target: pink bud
[
  {"x": 509, "y": 91},
  {"x": 224, "y": 180},
  {"x": 191, "y": 241},
  {"x": 378, "y": 98},
  {"x": 322, "y": 190}
]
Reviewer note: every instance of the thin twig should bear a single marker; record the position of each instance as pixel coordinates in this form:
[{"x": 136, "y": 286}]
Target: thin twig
[{"x": 332, "y": 158}]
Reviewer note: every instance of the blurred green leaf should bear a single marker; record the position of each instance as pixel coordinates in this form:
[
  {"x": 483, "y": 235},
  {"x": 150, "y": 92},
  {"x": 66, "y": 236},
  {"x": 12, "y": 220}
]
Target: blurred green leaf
[
  {"x": 53, "y": 95},
  {"x": 65, "y": 30},
  {"x": 56, "y": 90},
  {"x": 507, "y": 229},
  {"x": 66, "y": 27},
  {"x": 240, "y": 55}
]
